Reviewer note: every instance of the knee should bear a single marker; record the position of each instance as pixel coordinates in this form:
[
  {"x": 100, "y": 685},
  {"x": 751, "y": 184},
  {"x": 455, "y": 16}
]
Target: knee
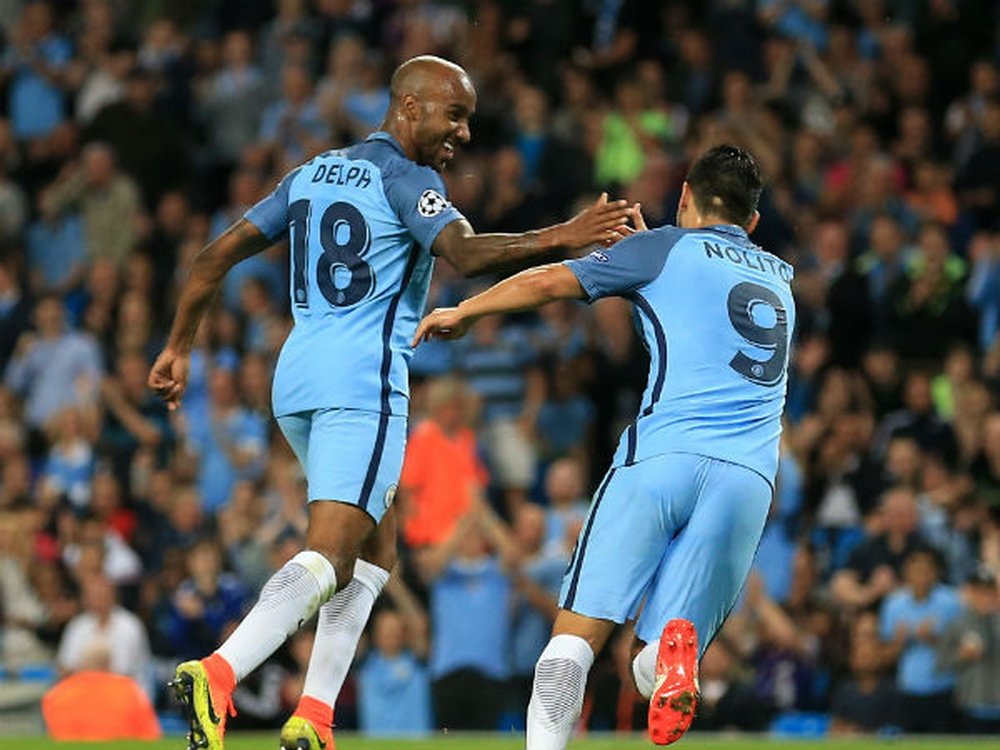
[{"x": 342, "y": 562}]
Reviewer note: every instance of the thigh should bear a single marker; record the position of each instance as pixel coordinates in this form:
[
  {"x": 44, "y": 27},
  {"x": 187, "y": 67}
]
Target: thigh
[
  {"x": 700, "y": 576},
  {"x": 296, "y": 429},
  {"x": 355, "y": 457},
  {"x": 632, "y": 518}
]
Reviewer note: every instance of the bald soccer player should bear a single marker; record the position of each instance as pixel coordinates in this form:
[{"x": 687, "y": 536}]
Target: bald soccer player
[{"x": 364, "y": 224}]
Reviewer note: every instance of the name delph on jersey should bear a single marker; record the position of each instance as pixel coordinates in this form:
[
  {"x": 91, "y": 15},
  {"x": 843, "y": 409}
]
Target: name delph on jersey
[{"x": 361, "y": 222}]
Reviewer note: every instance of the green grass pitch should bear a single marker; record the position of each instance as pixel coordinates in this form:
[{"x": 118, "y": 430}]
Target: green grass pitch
[{"x": 498, "y": 742}]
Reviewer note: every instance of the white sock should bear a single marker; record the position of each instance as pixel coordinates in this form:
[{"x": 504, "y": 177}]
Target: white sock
[
  {"x": 557, "y": 692},
  {"x": 644, "y": 669},
  {"x": 341, "y": 622},
  {"x": 289, "y": 598}
]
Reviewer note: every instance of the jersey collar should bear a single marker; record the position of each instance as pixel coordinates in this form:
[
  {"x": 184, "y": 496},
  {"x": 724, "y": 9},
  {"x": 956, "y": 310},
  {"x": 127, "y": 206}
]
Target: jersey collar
[
  {"x": 381, "y": 135},
  {"x": 732, "y": 229}
]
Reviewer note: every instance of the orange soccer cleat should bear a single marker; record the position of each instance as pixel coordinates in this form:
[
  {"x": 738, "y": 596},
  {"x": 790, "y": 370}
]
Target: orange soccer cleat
[{"x": 675, "y": 696}]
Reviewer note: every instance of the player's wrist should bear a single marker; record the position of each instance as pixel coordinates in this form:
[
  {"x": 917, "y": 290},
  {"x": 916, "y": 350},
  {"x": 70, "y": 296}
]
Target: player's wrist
[{"x": 553, "y": 237}]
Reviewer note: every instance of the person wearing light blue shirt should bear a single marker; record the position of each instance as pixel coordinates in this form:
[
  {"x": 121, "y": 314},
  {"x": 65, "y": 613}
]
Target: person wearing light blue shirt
[
  {"x": 674, "y": 525},
  {"x": 55, "y": 368},
  {"x": 911, "y": 621},
  {"x": 36, "y": 64},
  {"x": 394, "y": 688},
  {"x": 363, "y": 225},
  {"x": 230, "y": 444},
  {"x": 470, "y": 600}
]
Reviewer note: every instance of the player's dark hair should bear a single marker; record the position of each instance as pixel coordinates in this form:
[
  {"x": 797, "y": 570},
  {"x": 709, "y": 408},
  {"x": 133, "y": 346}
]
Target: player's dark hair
[{"x": 726, "y": 182}]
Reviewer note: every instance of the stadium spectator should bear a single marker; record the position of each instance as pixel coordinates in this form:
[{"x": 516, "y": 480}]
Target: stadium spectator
[
  {"x": 864, "y": 701},
  {"x": 229, "y": 100},
  {"x": 872, "y": 571},
  {"x": 911, "y": 622},
  {"x": 20, "y": 606},
  {"x": 105, "y": 625},
  {"x": 54, "y": 367},
  {"x": 567, "y": 504},
  {"x": 95, "y": 704},
  {"x": 393, "y": 681},
  {"x": 537, "y": 580},
  {"x": 441, "y": 470},
  {"x": 107, "y": 199},
  {"x": 206, "y": 603},
  {"x": 728, "y": 701},
  {"x": 36, "y": 62},
  {"x": 292, "y": 127},
  {"x": 470, "y": 590},
  {"x": 969, "y": 648},
  {"x": 229, "y": 444}
]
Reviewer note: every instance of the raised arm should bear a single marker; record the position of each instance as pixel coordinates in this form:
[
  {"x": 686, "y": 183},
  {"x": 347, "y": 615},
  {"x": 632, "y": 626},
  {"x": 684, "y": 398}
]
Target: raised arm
[
  {"x": 474, "y": 254},
  {"x": 169, "y": 374}
]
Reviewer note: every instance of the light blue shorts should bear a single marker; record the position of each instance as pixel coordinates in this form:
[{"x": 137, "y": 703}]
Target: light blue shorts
[
  {"x": 671, "y": 536},
  {"x": 349, "y": 456}
]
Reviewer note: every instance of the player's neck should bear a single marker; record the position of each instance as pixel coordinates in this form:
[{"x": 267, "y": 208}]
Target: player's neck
[
  {"x": 393, "y": 128},
  {"x": 703, "y": 222}
]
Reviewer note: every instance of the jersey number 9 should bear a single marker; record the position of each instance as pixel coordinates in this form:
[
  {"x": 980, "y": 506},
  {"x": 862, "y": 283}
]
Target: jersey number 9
[
  {"x": 343, "y": 277},
  {"x": 759, "y": 317}
]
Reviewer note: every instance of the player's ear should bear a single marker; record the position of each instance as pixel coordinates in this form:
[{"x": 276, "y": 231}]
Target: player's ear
[
  {"x": 411, "y": 107},
  {"x": 683, "y": 203},
  {"x": 752, "y": 224}
]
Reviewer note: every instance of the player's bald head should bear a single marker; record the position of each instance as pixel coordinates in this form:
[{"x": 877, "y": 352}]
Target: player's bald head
[
  {"x": 432, "y": 101},
  {"x": 427, "y": 75}
]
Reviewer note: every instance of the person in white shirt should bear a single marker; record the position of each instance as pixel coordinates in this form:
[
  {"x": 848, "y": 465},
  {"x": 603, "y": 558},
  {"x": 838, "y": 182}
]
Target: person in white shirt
[{"x": 105, "y": 623}]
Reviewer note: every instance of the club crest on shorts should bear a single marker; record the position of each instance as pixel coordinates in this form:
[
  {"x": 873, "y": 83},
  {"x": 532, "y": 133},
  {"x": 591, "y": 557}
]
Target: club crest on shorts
[
  {"x": 390, "y": 495},
  {"x": 431, "y": 203}
]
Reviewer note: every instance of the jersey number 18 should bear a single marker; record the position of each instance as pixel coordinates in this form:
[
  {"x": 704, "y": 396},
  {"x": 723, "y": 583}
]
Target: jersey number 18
[{"x": 343, "y": 277}]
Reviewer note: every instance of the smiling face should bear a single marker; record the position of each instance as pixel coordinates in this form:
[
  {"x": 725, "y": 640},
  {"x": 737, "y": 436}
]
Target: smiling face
[
  {"x": 443, "y": 121},
  {"x": 432, "y": 101}
]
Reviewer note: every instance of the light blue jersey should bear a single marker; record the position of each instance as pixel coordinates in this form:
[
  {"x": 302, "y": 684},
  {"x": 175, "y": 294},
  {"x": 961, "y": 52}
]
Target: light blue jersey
[
  {"x": 716, "y": 313},
  {"x": 672, "y": 530},
  {"x": 361, "y": 223}
]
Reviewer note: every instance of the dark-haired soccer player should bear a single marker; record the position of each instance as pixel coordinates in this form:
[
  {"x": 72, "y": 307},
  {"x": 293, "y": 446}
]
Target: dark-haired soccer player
[
  {"x": 674, "y": 525},
  {"x": 363, "y": 225}
]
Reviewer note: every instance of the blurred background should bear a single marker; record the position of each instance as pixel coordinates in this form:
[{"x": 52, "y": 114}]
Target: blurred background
[{"x": 131, "y": 133}]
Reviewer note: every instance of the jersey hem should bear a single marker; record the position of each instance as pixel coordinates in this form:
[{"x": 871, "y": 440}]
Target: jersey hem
[
  {"x": 327, "y": 407},
  {"x": 758, "y": 472}
]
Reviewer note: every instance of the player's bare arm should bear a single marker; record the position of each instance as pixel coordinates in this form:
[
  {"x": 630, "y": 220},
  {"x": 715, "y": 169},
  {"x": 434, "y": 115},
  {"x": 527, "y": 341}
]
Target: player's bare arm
[
  {"x": 168, "y": 376},
  {"x": 473, "y": 254},
  {"x": 524, "y": 291}
]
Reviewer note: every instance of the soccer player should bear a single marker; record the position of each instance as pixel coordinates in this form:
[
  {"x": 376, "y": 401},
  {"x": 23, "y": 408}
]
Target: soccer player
[
  {"x": 363, "y": 225},
  {"x": 673, "y": 527}
]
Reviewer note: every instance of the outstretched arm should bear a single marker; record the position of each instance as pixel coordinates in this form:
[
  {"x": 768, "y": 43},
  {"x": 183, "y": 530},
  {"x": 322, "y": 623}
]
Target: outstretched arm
[
  {"x": 473, "y": 254},
  {"x": 525, "y": 291},
  {"x": 168, "y": 376}
]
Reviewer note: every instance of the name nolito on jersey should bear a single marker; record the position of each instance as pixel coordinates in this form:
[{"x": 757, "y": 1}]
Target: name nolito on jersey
[{"x": 757, "y": 261}]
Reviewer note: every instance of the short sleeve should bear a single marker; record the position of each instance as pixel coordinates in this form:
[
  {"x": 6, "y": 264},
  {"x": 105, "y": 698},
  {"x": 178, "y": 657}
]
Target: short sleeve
[
  {"x": 625, "y": 267},
  {"x": 270, "y": 215},
  {"x": 888, "y": 618},
  {"x": 418, "y": 196}
]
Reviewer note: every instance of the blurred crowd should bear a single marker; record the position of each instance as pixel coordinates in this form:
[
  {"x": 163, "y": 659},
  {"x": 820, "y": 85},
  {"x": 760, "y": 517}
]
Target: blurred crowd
[{"x": 131, "y": 537}]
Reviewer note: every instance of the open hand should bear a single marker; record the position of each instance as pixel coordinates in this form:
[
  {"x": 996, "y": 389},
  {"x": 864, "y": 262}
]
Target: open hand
[
  {"x": 596, "y": 224},
  {"x": 624, "y": 230}
]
